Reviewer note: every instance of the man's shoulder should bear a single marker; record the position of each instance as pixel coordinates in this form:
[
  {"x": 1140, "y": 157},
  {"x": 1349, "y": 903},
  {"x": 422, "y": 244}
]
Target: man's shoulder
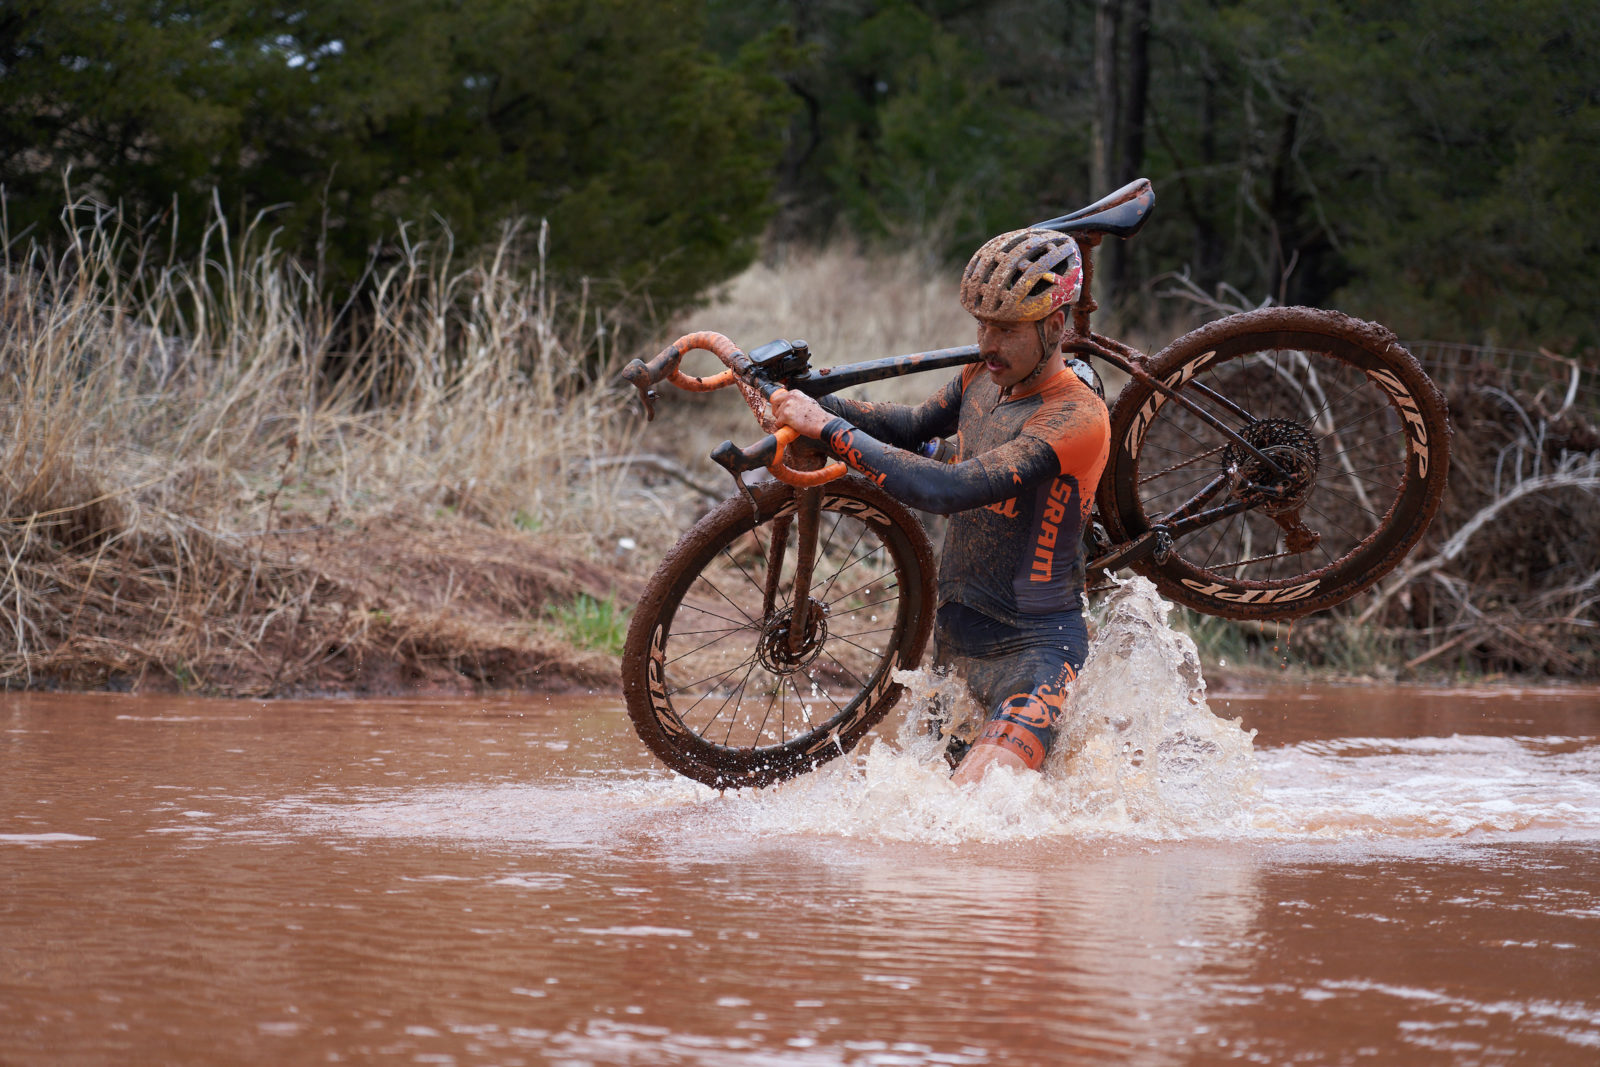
[{"x": 1067, "y": 408}]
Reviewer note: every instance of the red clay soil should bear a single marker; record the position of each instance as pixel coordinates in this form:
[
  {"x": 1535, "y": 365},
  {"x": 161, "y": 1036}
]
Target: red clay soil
[
  {"x": 398, "y": 606},
  {"x": 456, "y": 610}
]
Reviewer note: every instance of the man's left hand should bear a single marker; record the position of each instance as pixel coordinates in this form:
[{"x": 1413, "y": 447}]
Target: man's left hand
[{"x": 799, "y": 412}]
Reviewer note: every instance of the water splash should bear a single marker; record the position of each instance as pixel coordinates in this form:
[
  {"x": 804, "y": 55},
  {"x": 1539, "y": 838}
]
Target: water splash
[
  {"x": 1140, "y": 757},
  {"x": 1139, "y": 738},
  {"x": 1138, "y": 754}
]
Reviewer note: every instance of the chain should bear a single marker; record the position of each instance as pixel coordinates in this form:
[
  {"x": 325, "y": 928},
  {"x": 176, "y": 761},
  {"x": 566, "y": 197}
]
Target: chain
[{"x": 1182, "y": 464}]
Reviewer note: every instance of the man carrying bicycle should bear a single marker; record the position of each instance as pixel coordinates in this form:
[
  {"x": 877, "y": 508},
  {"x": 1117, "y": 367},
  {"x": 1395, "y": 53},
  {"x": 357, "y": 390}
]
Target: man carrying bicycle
[{"x": 1032, "y": 439}]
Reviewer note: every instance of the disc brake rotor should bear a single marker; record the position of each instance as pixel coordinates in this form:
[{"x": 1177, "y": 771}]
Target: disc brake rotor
[{"x": 774, "y": 651}]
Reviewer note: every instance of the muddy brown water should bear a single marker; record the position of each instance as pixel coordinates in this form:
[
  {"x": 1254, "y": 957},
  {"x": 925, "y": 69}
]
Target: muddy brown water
[{"x": 1414, "y": 880}]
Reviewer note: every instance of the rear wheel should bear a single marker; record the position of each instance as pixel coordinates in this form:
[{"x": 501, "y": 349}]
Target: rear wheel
[
  {"x": 1358, "y": 442},
  {"x": 719, "y": 684}
]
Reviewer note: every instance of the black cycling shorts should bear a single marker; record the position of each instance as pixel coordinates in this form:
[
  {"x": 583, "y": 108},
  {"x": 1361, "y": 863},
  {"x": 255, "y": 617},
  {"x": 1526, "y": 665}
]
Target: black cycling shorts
[{"x": 1021, "y": 674}]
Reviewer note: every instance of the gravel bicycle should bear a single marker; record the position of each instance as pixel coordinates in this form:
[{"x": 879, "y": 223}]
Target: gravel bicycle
[{"x": 1264, "y": 466}]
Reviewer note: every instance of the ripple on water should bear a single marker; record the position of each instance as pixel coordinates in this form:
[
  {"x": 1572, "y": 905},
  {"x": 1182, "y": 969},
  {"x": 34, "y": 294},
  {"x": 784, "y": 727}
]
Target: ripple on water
[{"x": 1140, "y": 756}]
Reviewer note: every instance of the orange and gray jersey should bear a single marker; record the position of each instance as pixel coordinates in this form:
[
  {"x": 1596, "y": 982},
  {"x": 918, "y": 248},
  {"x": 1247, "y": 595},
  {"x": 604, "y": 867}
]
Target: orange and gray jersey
[{"x": 1018, "y": 492}]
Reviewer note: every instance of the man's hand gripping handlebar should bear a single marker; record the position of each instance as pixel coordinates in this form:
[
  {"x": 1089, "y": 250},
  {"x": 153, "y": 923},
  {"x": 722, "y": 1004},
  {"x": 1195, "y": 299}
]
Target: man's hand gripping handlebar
[{"x": 758, "y": 378}]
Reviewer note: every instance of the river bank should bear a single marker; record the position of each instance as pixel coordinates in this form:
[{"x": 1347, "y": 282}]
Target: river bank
[{"x": 212, "y": 483}]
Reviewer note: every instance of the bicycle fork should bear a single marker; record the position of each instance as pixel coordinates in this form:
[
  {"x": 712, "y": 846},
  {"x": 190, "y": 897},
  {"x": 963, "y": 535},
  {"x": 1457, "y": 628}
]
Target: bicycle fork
[{"x": 805, "y": 520}]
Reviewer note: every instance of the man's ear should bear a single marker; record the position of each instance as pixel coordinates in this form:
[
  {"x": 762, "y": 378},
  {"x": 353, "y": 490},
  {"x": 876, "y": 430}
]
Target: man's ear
[{"x": 1056, "y": 326}]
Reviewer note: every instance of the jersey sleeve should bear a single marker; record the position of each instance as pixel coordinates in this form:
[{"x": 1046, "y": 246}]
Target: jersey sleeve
[
  {"x": 1078, "y": 431},
  {"x": 943, "y": 488},
  {"x": 902, "y": 425}
]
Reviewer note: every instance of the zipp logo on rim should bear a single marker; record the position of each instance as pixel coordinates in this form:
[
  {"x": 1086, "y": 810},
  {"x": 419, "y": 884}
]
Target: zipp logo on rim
[
  {"x": 843, "y": 504},
  {"x": 1417, "y": 430},
  {"x": 656, "y": 682},
  {"x": 1141, "y": 421},
  {"x": 1253, "y": 596}
]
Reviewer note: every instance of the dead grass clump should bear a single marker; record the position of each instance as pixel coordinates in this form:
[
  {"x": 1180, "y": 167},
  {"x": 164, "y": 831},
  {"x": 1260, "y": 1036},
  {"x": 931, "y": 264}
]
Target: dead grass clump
[{"x": 194, "y": 483}]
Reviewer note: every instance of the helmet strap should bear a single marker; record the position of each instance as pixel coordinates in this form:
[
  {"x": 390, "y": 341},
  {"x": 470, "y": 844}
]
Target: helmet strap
[{"x": 1044, "y": 352}]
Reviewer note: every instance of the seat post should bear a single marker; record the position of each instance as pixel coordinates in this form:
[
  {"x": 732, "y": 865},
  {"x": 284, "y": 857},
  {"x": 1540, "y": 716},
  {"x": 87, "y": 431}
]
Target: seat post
[{"x": 1085, "y": 305}]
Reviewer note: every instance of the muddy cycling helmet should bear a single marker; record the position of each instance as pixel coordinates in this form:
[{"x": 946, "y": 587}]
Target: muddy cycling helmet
[{"x": 1022, "y": 276}]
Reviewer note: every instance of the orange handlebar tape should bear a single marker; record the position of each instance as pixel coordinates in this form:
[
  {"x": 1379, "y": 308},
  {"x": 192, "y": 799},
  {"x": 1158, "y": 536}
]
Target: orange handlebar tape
[
  {"x": 713, "y": 342},
  {"x": 800, "y": 479}
]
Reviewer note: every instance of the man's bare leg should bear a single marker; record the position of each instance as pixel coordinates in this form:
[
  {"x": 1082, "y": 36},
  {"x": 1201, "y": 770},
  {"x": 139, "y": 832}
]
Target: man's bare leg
[{"x": 984, "y": 755}]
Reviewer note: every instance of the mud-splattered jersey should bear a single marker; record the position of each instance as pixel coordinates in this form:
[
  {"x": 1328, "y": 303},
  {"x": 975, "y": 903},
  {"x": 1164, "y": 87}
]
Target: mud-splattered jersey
[{"x": 1019, "y": 491}]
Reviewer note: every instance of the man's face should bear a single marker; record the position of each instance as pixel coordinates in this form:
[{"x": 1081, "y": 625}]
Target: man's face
[{"x": 1010, "y": 350}]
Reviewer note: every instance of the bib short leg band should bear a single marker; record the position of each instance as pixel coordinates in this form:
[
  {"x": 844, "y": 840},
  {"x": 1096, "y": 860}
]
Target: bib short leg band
[{"x": 1022, "y": 674}]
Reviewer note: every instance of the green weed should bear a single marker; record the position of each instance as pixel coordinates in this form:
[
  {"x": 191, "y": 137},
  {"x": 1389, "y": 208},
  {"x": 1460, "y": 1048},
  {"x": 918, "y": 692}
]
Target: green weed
[
  {"x": 598, "y": 624},
  {"x": 1219, "y": 642}
]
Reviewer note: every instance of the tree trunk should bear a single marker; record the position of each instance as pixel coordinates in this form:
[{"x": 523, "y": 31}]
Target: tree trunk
[
  {"x": 1103, "y": 165},
  {"x": 1102, "y": 160},
  {"x": 1130, "y": 149},
  {"x": 1128, "y": 156}
]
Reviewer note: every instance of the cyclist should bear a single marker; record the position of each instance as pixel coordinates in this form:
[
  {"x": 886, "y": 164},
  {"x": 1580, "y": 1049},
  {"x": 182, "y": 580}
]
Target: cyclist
[{"x": 1031, "y": 440}]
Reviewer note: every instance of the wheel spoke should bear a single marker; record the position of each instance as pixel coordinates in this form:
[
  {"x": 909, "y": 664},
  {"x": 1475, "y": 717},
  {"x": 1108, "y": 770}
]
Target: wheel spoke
[
  {"x": 752, "y": 698},
  {"x": 1325, "y": 412}
]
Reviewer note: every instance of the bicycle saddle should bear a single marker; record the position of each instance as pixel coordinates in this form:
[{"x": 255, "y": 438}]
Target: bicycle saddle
[{"x": 1120, "y": 214}]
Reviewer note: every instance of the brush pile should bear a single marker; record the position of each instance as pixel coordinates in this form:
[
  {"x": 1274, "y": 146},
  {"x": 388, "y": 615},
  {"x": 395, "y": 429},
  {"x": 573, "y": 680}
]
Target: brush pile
[{"x": 1509, "y": 577}]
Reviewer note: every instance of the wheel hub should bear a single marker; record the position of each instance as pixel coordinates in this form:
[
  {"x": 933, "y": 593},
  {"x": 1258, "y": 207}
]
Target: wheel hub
[
  {"x": 1290, "y": 446},
  {"x": 774, "y": 650}
]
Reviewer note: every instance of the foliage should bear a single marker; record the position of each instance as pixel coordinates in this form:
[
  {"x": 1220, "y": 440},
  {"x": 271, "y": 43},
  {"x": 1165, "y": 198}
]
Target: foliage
[
  {"x": 594, "y": 623},
  {"x": 651, "y": 159},
  {"x": 1425, "y": 162},
  {"x": 907, "y": 125}
]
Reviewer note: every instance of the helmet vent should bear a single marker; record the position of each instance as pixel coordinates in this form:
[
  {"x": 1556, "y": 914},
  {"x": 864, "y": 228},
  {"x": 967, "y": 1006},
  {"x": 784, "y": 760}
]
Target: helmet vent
[{"x": 1006, "y": 277}]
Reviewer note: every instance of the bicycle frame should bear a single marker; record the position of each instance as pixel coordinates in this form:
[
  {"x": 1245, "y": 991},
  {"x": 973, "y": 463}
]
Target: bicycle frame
[{"x": 786, "y": 365}]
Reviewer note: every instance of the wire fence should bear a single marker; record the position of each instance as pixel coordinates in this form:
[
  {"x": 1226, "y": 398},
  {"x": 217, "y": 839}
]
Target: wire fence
[{"x": 1559, "y": 384}]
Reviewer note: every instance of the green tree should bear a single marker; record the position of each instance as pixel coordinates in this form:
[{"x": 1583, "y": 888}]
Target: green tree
[
  {"x": 935, "y": 117},
  {"x": 1463, "y": 171},
  {"x": 652, "y": 160},
  {"x": 1422, "y": 162}
]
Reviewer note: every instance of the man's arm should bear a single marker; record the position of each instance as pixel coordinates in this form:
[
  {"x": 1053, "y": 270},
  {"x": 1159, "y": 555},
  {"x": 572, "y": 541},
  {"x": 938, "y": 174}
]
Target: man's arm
[
  {"x": 943, "y": 488},
  {"x": 901, "y": 425}
]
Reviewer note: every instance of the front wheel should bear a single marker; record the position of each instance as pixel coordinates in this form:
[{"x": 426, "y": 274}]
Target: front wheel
[
  {"x": 724, "y": 687},
  {"x": 1358, "y": 442}
]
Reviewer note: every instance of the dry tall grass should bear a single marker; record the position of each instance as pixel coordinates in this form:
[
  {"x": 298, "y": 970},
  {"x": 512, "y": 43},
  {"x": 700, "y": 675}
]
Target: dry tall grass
[
  {"x": 187, "y": 483},
  {"x": 210, "y": 475}
]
